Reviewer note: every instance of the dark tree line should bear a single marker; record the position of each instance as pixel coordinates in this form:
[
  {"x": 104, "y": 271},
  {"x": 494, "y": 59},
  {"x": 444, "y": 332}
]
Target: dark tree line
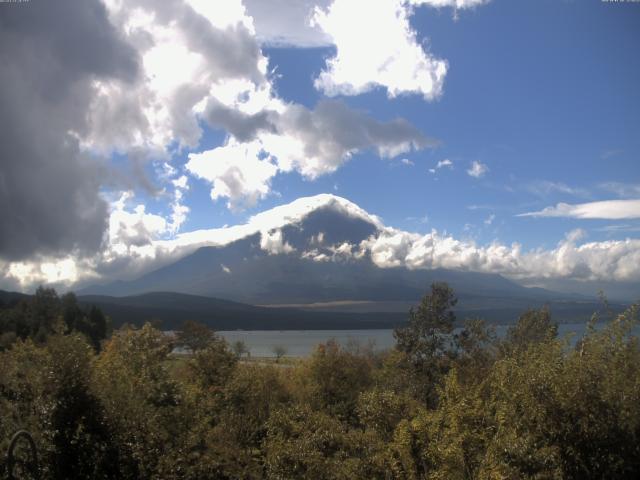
[{"x": 45, "y": 313}]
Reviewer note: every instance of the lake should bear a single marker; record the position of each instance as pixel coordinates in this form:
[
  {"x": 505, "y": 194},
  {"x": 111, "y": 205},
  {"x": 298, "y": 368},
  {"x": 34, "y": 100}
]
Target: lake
[{"x": 300, "y": 343}]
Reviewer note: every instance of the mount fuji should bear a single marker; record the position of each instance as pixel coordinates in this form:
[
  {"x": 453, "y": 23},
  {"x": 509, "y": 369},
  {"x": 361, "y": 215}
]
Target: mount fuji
[{"x": 316, "y": 254}]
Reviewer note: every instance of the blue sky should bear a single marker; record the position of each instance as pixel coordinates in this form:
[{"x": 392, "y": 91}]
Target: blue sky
[
  {"x": 544, "y": 93},
  {"x": 503, "y": 133}
]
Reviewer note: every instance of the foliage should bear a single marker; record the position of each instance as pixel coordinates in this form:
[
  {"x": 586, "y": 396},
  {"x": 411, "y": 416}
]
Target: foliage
[
  {"x": 45, "y": 313},
  {"x": 194, "y": 336},
  {"x": 303, "y": 443},
  {"x": 332, "y": 379},
  {"x": 534, "y": 326},
  {"x": 279, "y": 351},
  {"x": 240, "y": 348},
  {"x": 46, "y": 390},
  {"x": 426, "y": 341},
  {"x": 444, "y": 404},
  {"x": 212, "y": 365}
]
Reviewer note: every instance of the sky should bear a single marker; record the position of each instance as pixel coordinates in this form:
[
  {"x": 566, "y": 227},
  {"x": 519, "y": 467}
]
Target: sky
[{"x": 504, "y": 134}]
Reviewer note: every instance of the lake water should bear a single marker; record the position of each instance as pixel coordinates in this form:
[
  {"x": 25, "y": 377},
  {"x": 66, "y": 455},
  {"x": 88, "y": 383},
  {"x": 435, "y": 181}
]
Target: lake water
[{"x": 300, "y": 343}]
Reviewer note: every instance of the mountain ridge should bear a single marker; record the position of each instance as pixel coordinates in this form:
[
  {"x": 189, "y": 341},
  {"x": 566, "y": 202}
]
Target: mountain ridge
[{"x": 315, "y": 252}]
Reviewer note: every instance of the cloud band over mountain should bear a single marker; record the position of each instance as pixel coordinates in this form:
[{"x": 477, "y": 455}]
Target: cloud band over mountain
[{"x": 387, "y": 248}]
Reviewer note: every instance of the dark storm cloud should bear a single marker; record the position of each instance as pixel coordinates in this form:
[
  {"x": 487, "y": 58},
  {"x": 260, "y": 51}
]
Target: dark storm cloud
[{"x": 50, "y": 54}]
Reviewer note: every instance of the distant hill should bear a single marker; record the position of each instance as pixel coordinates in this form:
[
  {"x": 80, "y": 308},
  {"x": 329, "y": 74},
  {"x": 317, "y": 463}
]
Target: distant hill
[
  {"x": 170, "y": 309},
  {"x": 7, "y": 298}
]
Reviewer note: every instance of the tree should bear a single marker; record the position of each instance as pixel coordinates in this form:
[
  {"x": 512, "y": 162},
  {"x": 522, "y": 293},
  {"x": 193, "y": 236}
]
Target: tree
[
  {"x": 93, "y": 324},
  {"x": 213, "y": 365},
  {"x": 142, "y": 403},
  {"x": 315, "y": 445},
  {"x": 195, "y": 336},
  {"x": 279, "y": 351},
  {"x": 80, "y": 439},
  {"x": 44, "y": 314},
  {"x": 476, "y": 346},
  {"x": 534, "y": 326},
  {"x": 427, "y": 340},
  {"x": 71, "y": 311},
  {"x": 98, "y": 326},
  {"x": 239, "y": 348},
  {"x": 426, "y": 334},
  {"x": 334, "y": 378},
  {"x": 45, "y": 310},
  {"x": 240, "y": 416},
  {"x": 46, "y": 389}
]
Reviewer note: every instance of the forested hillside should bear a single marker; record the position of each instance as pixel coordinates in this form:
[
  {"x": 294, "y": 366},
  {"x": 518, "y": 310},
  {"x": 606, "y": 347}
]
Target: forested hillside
[{"x": 437, "y": 406}]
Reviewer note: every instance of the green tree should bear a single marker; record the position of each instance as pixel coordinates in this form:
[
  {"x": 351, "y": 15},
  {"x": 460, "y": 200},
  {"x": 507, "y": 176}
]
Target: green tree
[
  {"x": 213, "y": 365},
  {"x": 533, "y": 326},
  {"x": 477, "y": 350},
  {"x": 427, "y": 340},
  {"x": 195, "y": 336},
  {"x": 47, "y": 391},
  {"x": 45, "y": 313},
  {"x": 142, "y": 403},
  {"x": 333, "y": 379},
  {"x": 80, "y": 440},
  {"x": 382, "y": 410},
  {"x": 94, "y": 324},
  {"x": 279, "y": 351},
  {"x": 304, "y": 443},
  {"x": 240, "y": 348},
  {"x": 238, "y": 420}
]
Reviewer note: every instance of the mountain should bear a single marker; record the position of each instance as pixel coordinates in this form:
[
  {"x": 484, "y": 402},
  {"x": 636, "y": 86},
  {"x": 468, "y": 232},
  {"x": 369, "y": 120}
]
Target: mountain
[
  {"x": 309, "y": 255},
  {"x": 8, "y": 298}
]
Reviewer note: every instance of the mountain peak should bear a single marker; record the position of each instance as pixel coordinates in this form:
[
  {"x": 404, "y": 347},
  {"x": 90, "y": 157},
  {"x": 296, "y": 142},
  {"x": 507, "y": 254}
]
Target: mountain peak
[
  {"x": 323, "y": 248},
  {"x": 277, "y": 218},
  {"x": 300, "y": 208}
]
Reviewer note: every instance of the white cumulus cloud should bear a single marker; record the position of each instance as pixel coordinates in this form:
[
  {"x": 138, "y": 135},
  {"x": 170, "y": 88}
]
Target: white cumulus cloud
[
  {"x": 291, "y": 137},
  {"x": 446, "y": 163},
  {"x": 591, "y": 261},
  {"x": 376, "y": 47},
  {"x": 477, "y": 169},
  {"x": 240, "y": 172},
  {"x": 190, "y": 50},
  {"x": 201, "y": 62},
  {"x": 489, "y": 220},
  {"x": 273, "y": 242},
  {"x": 287, "y": 22}
]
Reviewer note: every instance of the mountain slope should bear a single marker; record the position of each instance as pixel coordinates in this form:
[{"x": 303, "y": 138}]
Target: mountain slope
[{"x": 317, "y": 254}]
